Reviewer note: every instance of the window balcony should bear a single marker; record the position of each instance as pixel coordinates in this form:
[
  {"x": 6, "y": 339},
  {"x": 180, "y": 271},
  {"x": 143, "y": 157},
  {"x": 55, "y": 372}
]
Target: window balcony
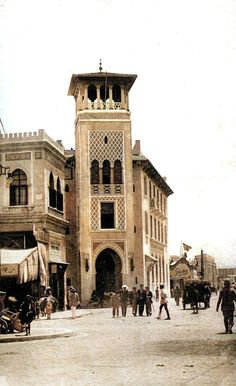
[
  {"x": 106, "y": 189},
  {"x": 108, "y": 105}
]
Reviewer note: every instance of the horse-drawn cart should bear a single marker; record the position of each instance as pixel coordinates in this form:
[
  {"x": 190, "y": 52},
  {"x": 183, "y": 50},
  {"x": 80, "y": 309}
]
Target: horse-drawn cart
[{"x": 196, "y": 294}]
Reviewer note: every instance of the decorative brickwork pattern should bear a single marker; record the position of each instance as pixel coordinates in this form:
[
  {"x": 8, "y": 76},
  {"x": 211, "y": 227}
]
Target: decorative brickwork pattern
[
  {"x": 94, "y": 214},
  {"x": 95, "y": 211},
  {"x": 105, "y": 144}
]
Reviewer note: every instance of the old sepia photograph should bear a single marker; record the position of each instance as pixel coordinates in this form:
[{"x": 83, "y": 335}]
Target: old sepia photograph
[{"x": 117, "y": 192}]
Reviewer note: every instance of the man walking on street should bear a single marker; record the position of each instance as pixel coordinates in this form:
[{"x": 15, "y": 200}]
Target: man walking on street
[
  {"x": 148, "y": 301},
  {"x": 115, "y": 302},
  {"x": 163, "y": 303},
  {"x": 73, "y": 299},
  {"x": 141, "y": 300},
  {"x": 124, "y": 297},
  {"x": 177, "y": 294},
  {"x": 134, "y": 301},
  {"x": 227, "y": 298}
]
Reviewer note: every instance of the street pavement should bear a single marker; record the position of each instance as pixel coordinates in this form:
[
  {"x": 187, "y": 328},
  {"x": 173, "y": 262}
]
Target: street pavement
[
  {"x": 98, "y": 350},
  {"x": 45, "y": 329}
]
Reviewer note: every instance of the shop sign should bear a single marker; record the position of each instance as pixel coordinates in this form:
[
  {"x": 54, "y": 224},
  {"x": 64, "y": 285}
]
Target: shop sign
[
  {"x": 181, "y": 271},
  {"x": 9, "y": 270},
  {"x": 55, "y": 250}
]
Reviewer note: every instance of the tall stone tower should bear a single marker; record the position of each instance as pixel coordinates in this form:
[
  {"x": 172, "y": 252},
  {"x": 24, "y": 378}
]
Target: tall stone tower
[{"x": 104, "y": 183}]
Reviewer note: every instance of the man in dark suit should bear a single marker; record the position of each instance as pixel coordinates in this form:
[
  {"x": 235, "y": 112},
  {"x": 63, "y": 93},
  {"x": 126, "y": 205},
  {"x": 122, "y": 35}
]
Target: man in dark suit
[
  {"x": 141, "y": 300},
  {"x": 226, "y": 300}
]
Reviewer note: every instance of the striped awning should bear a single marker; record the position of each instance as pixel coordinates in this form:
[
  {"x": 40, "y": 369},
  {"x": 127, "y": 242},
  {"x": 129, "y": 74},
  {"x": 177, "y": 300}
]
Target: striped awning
[{"x": 26, "y": 264}]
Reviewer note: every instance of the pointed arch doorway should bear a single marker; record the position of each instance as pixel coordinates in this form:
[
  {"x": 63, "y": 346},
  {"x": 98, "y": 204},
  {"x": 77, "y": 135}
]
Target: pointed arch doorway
[{"x": 108, "y": 271}]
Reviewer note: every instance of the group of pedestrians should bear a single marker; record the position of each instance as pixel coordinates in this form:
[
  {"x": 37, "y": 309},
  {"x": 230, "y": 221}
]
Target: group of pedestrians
[
  {"x": 46, "y": 304},
  {"x": 226, "y": 300},
  {"x": 141, "y": 300},
  {"x": 31, "y": 308}
]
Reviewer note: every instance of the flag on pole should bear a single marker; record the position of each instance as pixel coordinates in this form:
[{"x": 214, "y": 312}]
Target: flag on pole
[{"x": 186, "y": 247}]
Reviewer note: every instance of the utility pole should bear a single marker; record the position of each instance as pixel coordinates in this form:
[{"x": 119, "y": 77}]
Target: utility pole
[
  {"x": 2, "y": 129},
  {"x": 202, "y": 264}
]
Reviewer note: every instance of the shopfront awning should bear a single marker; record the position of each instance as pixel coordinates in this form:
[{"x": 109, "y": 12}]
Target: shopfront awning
[
  {"x": 54, "y": 260},
  {"x": 25, "y": 264}
]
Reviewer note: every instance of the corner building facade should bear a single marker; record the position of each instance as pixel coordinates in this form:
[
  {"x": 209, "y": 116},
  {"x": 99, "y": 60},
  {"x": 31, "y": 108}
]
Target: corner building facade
[
  {"x": 33, "y": 225},
  {"x": 111, "y": 232},
  {"x": 95, "y": 217}
]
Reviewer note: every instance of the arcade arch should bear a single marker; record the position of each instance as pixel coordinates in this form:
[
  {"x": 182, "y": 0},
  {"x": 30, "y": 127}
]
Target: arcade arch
[{"x": 108, "y": 271}]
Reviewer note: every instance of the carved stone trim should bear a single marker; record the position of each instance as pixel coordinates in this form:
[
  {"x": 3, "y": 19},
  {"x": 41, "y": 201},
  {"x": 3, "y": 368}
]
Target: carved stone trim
[
  {"x": 120, "y": 244},
  {"x": 96, "y": 244},
  {"x": 38, "y": 155},
  {"x": 18, "y": 156}
]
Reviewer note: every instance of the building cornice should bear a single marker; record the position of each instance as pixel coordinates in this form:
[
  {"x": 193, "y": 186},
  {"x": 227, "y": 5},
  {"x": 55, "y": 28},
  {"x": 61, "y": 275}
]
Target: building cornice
[{"x": 152, "y": 173}]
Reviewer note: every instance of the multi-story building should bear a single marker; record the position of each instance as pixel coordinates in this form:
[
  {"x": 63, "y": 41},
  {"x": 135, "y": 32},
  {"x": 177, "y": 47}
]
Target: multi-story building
[
  {"x": 32, "y": 214},
  {"x": 121, "y": 200},
  {"x": 206, "y": 268},
  {"x": 226, "y": 273},
  {"x": 95, "y": 217},
  {"x": 150, "y": 222}
]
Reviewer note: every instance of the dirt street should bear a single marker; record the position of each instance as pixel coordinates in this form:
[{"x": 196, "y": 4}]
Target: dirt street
[{"x": 186, "y": 350}]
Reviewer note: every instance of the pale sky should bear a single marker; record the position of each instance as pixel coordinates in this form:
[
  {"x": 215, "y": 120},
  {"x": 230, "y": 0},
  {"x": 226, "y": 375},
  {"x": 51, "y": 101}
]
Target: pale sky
[{"x": 183, "y": 103}]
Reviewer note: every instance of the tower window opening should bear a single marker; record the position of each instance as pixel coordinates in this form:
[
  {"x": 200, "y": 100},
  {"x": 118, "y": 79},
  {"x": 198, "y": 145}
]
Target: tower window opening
[
  {"x": 104, "y": 93},
  {"x": 117, "y": 172},
  {"x": 94, "y": 172},
  {"x": 116, "y": 93},
  {"x": 106, "y": 139},
  {"x": 107, "y": 215},
  {"x": 106, "y": 172},
  {"x": 92, "y": 92}
]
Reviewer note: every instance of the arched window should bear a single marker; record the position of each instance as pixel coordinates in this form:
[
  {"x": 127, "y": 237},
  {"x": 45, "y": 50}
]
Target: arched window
[
  {"x": 67, "y": 189},
  {"x": 106, "y": 172},
  {"x": 104, "y": 93},
  {"x": 58, "y": 185},
  {"x": 117, "y": 172},
  {"x": 18, "y": 188},
  {"x": 92, "y": 92},
  {"x": 116, "y": 93},
  {"x": 51, "y": 181},
  {"x": 55, "y": 195},
  {"x": 52, "y": 192},
  {"x": 59, "y": 196},
  {"x": 94, "y": 172}
]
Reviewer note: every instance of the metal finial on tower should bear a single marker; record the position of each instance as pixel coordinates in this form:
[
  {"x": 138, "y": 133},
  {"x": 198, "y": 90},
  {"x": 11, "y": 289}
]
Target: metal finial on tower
[{"x": 100, "y": 65}]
